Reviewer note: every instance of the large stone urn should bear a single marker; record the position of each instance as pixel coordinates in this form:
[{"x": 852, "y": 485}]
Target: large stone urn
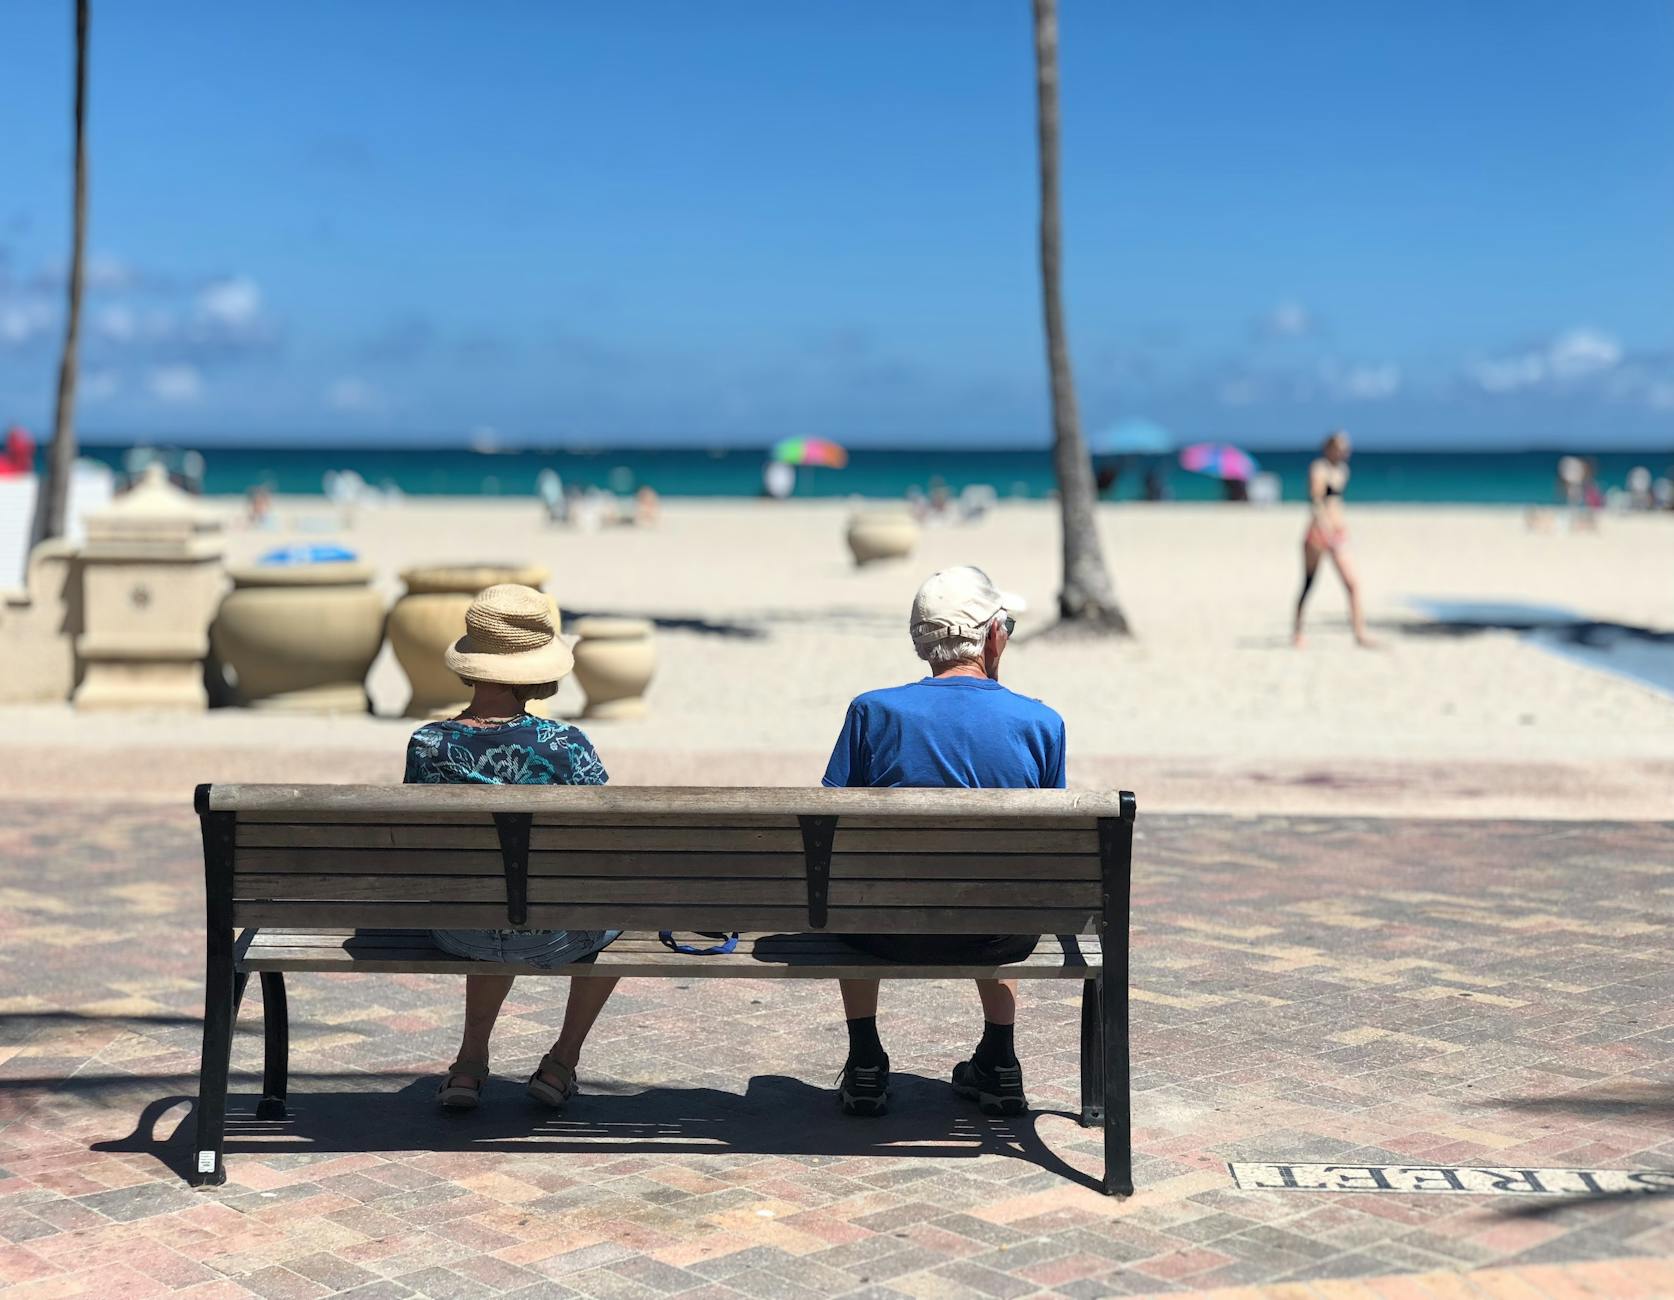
[
  {"x": 430, "y": 616},
  {"x": 614, "y": 660},
  {"x": 301, "y": 636},
  {"x": 882, "y": 535},
  {"x": 151, "y": 577}
]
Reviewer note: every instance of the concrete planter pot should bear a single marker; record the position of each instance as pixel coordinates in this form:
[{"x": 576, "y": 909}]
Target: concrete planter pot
[
  {"x": 882, "y": 535},
  {"x": 430, "y": 617},
  {"x": 301, "y": 637},
  {"x": 614, "y": 661}
]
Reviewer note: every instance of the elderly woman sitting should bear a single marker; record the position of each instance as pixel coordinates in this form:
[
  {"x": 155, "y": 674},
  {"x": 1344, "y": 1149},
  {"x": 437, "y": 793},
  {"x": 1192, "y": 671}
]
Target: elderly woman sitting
[{"x": 511, "y": 654}]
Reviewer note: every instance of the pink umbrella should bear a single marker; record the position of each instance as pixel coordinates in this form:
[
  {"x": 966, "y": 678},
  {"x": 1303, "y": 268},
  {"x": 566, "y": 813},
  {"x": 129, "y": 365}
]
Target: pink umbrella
[{"x": 1219, "y": 460}]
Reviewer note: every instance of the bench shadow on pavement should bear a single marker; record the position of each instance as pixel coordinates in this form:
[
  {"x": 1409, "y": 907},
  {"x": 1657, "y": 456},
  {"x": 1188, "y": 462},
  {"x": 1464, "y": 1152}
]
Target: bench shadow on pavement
[{"x": 777, "y": 1115}]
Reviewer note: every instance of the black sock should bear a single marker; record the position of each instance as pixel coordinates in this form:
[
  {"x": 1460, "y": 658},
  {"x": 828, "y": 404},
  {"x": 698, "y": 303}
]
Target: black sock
[
  {"x": 864, "y": 1045},
  {"x": 996, "y": 1048}
]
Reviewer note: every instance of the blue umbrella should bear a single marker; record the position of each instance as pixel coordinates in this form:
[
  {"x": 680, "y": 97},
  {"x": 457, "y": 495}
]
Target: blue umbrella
[
  {"x": 319, "y": 553},
  {"x": 1131, "y": 438}
]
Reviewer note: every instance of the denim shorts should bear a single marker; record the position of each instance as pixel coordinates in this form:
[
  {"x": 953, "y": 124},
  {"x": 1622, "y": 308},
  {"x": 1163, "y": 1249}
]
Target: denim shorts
[{"x": 544, "y": 948}]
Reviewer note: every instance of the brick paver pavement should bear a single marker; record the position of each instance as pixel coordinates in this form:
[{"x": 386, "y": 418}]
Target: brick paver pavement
[{"x": 1351, "y": 991}]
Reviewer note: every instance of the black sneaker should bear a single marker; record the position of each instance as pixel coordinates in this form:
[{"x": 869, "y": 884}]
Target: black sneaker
[
  {"x": 863, "y": 1089},
  {"x": 996, "y": 1091}
]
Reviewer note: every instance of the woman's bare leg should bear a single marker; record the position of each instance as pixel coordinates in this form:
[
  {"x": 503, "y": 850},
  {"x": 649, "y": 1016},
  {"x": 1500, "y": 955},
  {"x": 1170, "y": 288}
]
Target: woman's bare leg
[
  {"x": 1310, "y": 570},
  {"x": 1351, "y": 585},
  {"x": 484, "y": 995},
  {"x": 587, "y": 998}
]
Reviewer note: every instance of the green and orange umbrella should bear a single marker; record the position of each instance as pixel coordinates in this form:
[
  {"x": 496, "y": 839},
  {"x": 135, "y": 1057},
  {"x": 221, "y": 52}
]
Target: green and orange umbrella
[{"x": 816, "y": 453}]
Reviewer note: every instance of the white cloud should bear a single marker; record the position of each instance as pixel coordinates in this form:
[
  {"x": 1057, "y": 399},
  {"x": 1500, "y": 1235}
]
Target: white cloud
[
  {"x": 117, "y": 322},
  {"x": 235, "y": 302},
  {"x": 1373, "y": 382},
  {"x": 1574, "y": 355},
  {"x": 354, "y": 396},
  {"x": 102, "y": 273},
  {"x": 1287, "y": 320},
  {"x": 176, "y": 384},
  {"x": 24, "y": 320},
  {"x": 1361, "y": 380},
  {"x": 1240, "y": 390},
  {"x": 99, "y": 385},
  {"x": 1508, "y": 374},
  {"x": 1582, "y": 352}
]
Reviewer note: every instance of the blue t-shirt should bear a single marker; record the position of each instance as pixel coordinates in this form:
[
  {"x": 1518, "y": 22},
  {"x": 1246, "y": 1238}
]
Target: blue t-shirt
[{"x": 949, "y": 731}]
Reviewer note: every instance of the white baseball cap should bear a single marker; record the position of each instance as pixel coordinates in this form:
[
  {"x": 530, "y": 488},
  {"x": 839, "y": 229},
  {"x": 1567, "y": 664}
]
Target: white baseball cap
[{"x": 958, "y": 603}]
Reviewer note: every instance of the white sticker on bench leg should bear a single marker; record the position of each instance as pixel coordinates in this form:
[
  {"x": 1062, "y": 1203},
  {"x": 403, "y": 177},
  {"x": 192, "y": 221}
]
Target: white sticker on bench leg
[{"x": 206, "y": 1162}]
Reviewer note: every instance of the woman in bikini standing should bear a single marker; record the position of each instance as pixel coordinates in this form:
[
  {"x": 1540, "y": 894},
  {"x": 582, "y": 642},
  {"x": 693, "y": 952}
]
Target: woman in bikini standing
[{"x": 1327, "y": 477}]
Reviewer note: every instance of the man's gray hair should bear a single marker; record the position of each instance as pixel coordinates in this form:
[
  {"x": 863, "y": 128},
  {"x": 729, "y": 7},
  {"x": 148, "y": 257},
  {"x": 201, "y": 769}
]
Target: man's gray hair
[{"x": 953, "y": 650}]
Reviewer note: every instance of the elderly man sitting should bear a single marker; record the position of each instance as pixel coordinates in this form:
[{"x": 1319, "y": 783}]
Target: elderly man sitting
[{"x": 957, "y": 727}]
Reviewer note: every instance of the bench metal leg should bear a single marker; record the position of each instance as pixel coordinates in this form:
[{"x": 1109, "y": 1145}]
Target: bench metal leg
[
  {"x": 220, "y": 1007},
  {"x": 276, "y": 1033},
  {"x": 1118, "y": 1137},
  {"x": 1092, "y": 1055}
]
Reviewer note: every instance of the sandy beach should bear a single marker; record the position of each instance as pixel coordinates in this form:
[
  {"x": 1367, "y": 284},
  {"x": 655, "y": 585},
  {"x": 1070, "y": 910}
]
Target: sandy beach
[{"x": 766, "y": 629}]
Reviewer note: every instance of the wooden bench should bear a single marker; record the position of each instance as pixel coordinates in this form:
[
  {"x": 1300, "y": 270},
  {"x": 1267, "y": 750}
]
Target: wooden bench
[{"x": 353, "y": 878}]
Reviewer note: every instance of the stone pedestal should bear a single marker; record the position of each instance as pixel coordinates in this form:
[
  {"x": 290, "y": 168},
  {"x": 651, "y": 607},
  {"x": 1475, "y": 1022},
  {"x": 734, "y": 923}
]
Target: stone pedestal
[
  {"x": 39, "y": 626},
  {"x": 151, "y": 578},
  {"x": 614, "y": 661}
]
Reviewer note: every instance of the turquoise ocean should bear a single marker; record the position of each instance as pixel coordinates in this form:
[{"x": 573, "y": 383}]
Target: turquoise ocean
[{"x": 1498, "y": 478}]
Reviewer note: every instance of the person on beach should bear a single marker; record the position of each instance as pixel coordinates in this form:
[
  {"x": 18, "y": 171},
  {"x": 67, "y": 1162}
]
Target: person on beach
[
  {"x": 1327, "y": 478},
  {"x": 956, "y": 727},
  {"x": 511, "y": 654}
]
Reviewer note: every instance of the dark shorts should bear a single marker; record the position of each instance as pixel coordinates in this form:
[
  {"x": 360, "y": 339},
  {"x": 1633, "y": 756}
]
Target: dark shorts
[{"x": 946, "y": 949}]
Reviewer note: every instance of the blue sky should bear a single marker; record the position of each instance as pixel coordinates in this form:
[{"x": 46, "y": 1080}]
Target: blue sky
[{"x": 1438, "y": 224}]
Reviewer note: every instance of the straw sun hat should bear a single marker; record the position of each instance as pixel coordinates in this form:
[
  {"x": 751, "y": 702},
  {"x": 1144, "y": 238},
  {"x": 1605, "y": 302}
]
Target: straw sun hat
[{"x": 510, "y": 639}]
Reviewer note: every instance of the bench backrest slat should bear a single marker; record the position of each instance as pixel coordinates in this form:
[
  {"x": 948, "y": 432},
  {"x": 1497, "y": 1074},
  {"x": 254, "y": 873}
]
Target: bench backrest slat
[{"x": 900, "y": 861}]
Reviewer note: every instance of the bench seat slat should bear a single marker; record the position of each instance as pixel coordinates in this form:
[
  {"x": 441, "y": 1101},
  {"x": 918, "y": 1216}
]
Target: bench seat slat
[{"x": 757, "y": 956}]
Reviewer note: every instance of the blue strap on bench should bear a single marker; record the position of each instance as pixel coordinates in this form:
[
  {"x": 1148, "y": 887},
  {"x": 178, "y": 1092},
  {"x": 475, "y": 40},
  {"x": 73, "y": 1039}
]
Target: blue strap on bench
[{"x": 727, "y": 944}]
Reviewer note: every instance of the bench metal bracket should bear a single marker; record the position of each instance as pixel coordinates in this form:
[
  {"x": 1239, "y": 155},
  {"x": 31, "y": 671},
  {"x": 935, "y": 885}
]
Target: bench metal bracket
[
  {"x": 514, "y": 857},
  {"x": 818, "y": 835}
]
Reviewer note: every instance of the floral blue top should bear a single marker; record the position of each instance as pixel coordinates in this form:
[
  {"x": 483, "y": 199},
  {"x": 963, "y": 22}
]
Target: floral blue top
[{"x": 525, "y": 751}]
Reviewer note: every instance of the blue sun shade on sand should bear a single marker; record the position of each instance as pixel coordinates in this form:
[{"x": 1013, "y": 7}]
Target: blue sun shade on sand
[
  {"x": 1640, "y": 654},
  {"x": 319, "y": 553}
]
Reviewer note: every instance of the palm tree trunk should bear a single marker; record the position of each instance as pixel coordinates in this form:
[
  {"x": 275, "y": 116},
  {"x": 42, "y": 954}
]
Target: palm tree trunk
[
  {"x": 53, "y": 493},
  {"x": 1087, "y": 599}
]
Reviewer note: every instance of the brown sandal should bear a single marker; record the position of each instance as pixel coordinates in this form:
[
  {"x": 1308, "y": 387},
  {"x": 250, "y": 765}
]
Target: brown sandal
[
  {"x": 462, "y": 1096},
  {"x": 544, "y": 1092}
]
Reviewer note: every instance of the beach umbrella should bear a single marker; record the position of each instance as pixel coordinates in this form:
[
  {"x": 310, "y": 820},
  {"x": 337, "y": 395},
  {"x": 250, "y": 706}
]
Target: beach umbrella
[
  {"x": 1219, "y": 460},
  {"x": 1131, "y": 438},
  {"x": 317, "y": 553},
  {"x": 818, "y": 453}
]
